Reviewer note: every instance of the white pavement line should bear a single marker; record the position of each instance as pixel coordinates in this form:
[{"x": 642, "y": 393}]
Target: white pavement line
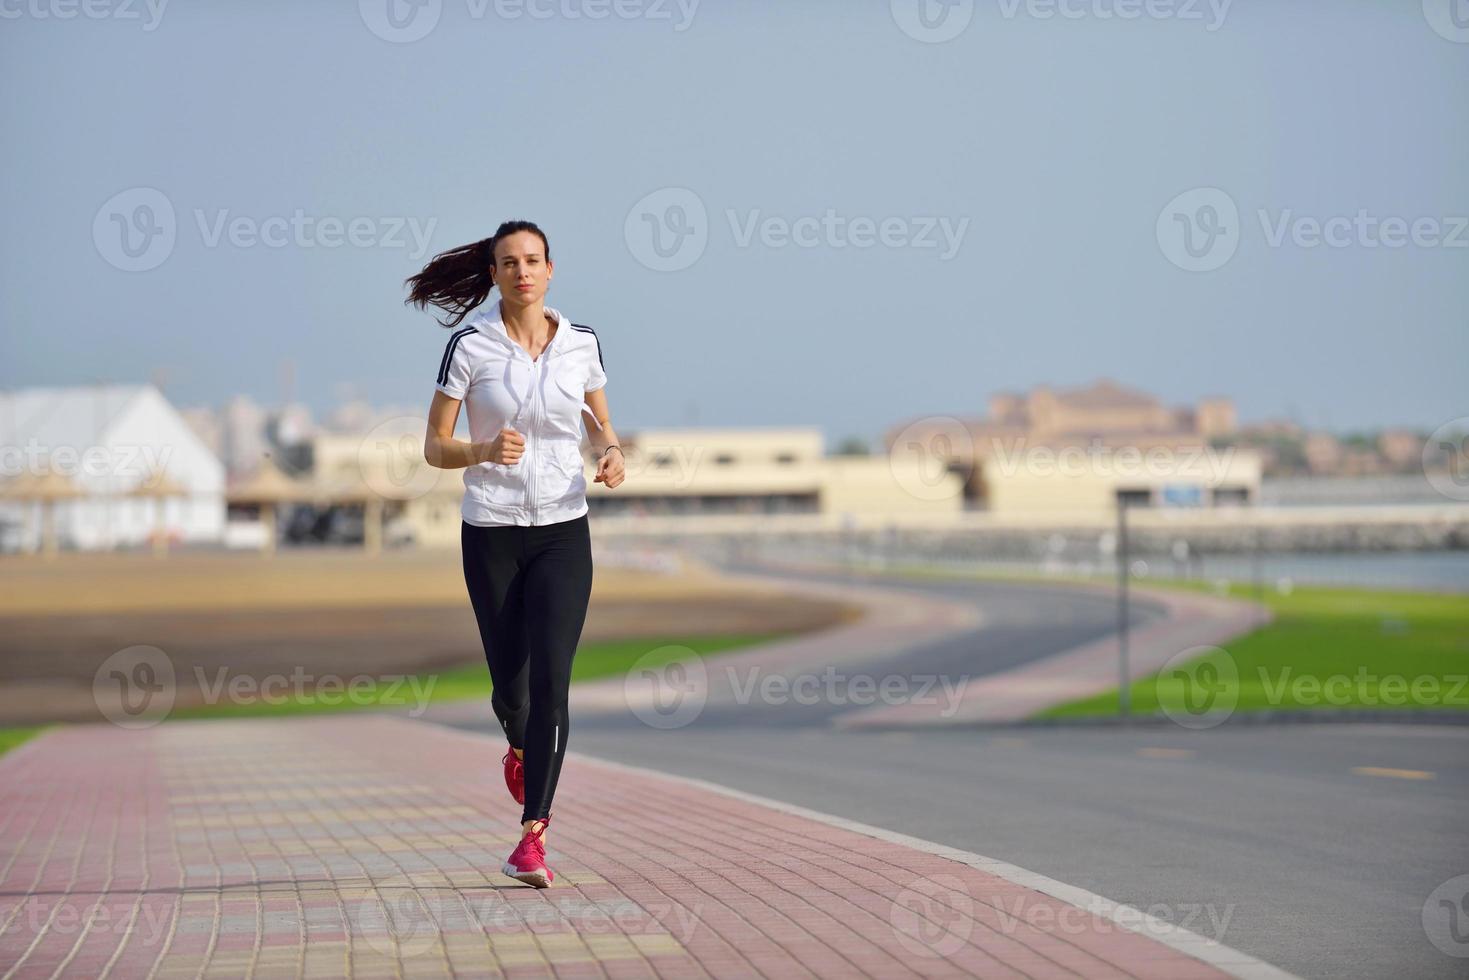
[{"x": 1217, "y": 955}]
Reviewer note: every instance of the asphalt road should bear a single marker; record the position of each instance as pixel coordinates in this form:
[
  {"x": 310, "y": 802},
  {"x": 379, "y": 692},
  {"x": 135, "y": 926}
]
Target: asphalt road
[{"x": 1311, "y": 846}]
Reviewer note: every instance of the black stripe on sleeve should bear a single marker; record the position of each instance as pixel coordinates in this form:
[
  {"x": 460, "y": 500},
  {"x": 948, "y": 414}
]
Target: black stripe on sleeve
[
  {"x": 449, "y": 354},
  {"x": 586, "y": 329}
]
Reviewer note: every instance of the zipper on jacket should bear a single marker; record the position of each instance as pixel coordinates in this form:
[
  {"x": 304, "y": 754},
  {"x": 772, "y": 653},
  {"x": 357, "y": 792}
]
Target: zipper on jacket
[{"x": 533, "y": 484}]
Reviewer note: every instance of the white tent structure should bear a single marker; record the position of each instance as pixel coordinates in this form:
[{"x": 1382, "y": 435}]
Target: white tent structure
[{"x": 115, "y": 445}]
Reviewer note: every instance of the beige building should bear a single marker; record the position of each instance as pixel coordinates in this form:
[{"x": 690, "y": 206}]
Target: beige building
[
  {"x": 1082, "y": 449},
  {"x": 1059, "y": 453},
  {"x": 669, "y": 471}
]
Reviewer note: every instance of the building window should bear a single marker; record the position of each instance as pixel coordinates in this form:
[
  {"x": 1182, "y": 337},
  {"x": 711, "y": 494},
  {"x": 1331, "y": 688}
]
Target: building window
[{"x": 1135, "y": 498}]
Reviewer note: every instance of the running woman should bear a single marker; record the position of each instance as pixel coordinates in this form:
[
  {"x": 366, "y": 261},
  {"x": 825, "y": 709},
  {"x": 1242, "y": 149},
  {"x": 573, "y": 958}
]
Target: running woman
[{"x": 527, "y": 373}]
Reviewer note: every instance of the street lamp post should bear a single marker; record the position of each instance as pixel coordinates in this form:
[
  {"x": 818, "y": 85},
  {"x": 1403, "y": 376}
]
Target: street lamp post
[{"x": 1124, "y": 694}]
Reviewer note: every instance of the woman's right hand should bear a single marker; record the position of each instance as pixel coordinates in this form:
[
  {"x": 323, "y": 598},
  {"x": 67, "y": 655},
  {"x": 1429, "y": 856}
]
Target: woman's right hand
[{"x": 505, "y": 448}]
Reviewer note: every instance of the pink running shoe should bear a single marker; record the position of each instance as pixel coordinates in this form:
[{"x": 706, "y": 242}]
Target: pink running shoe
[
  {"x": 527, "y": 862},
  {"x": 514, "y": 776}
]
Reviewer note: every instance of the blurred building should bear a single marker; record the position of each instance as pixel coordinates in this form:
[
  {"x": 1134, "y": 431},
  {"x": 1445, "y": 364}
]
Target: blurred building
[
  {"x": 1402, "y": 449},
  {"x": 669, "y": 472},
  {"x": 106, "y": 466},
  {"x": 1324, "y": 453},
  {"x": 243, "y": 442},
  {"x": 1083, "y": 449},
  {"x": 207, "y": 425}
]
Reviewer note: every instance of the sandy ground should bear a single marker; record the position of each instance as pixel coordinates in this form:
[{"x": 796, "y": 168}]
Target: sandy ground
[{"x": 322, "y": 612}]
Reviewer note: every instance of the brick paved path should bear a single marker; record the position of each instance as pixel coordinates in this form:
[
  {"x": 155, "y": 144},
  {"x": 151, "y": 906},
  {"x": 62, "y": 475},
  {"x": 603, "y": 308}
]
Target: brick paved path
[{"x": 370, "y": 845}]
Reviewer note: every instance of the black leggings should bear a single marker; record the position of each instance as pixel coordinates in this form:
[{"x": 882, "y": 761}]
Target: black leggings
[{"x": 530, "y": 587}]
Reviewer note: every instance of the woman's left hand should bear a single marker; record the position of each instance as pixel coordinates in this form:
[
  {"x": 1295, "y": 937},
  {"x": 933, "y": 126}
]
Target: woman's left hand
[{"x": 609, "y": 468}]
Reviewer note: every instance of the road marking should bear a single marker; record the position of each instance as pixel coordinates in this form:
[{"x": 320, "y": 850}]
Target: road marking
[
  {"x": 1393, "y": 773},
  {"x": 1153, "y": 752}
]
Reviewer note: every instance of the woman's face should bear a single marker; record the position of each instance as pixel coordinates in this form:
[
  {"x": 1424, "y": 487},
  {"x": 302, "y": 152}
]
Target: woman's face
[{"x": 521, "y": 270}]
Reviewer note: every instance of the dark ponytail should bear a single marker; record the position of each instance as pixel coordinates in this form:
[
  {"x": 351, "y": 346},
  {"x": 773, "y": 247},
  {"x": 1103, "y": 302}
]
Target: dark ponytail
[{"x": 458, "y": 280}]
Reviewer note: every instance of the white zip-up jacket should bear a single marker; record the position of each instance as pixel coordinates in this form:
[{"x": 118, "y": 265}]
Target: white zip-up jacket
[{"x": 541, "y": 399}]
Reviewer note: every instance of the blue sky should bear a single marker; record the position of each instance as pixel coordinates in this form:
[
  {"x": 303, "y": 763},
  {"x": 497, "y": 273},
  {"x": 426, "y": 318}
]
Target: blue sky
[{"x": 818, "y": 151}]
